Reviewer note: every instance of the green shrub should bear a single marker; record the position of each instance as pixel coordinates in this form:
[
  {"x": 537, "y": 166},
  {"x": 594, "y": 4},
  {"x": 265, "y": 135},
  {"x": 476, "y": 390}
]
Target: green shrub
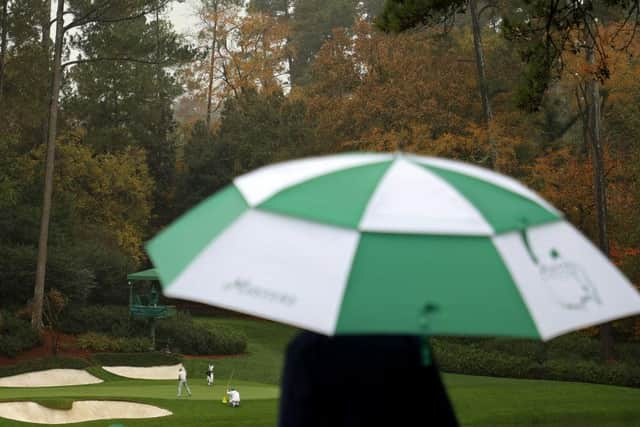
[
  {"x": 43, "y": 364},
  {"x": 592, "y": 372},
  {"x": 105, "y": 343},
  {"x": 515, "y": 347},
  {"x": 108, "y": 319},
  {"x": 628, "y": 352},
  {"x": 573, "y": 358},
  {"x": 184, "y": 336},
  {"x": 468, "y": 359},
  {"x": 154, "y": 358},
  {"x": 17, "y": 274},
  {"x": 16, "y": 336},
  {"x": 575, "y": 347}
]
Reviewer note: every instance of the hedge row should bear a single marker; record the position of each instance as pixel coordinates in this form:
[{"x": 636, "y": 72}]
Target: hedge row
[
  {"x": 155, "y": 358},
  {"x": 43, "y": 364},
  {"x": 575, "y": 346},
  {"x": 182, "y": 335},
  {"x": 179, "y": 335},
  {"x": 16, "y": 335},
  {"x": 482, "y": 359},
  {"x": 108, "y": 319},
  {"x": 104, "y": 343}
]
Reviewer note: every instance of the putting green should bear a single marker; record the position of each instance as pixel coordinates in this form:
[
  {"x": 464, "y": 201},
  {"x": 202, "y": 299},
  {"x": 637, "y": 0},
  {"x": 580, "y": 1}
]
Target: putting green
[{"x": 143, "y": 389}]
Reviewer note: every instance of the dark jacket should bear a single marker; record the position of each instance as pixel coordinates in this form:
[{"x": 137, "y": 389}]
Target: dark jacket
[{"x": 361, "y": 381}]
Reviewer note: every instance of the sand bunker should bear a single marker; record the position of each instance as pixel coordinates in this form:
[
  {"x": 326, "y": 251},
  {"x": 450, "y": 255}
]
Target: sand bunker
[
  {"x": 83, "y": 410},
  {"x": 150, "y": 373},
  {"x": 50, "y": 378}
]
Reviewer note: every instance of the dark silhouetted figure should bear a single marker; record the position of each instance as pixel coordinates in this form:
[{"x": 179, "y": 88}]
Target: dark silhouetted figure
[{"x": 358, "y": 380}]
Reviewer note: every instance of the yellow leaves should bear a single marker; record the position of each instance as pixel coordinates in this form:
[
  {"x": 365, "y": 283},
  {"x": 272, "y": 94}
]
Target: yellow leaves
[
  {"x": 112, "y": 191},
  {"x": 260, "y": 55},
  {"x": 129, "y": 239},
  {"x": 244, "y": 52}
]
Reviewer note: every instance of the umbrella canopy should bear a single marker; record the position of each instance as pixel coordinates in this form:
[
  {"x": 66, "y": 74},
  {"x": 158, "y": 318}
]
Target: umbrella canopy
[{"x": 390, "y": 243}]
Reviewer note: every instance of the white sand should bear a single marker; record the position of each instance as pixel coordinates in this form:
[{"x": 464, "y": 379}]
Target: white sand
[
  {"x": 150, "y": 373},
  {"x": 84, "y": 410},
  {"x": 50, "y": 378}
]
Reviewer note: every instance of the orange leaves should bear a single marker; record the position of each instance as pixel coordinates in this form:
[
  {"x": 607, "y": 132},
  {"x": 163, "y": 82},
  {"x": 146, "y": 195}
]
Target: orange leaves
[
  {"x": 566, "y": 181},
  {"x": 619, "y": 253},
  {"x": 565, "y": 178},
  {"x": 258, "y": 58},
  {"x": 368, "y": 88},
  {"x": 242, "y": 52}
]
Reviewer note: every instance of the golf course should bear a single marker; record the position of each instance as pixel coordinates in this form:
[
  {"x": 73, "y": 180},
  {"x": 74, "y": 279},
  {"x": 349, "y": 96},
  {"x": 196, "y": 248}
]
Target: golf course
[
  {"x": 479, "y": 401},
  {"x": 320, "y": 213}
]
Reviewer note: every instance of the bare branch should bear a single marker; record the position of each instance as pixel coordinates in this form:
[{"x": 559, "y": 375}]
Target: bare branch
[
  {"x": 102, "y": 59},
  {"x": 94, "y": 15},
  {"x": 633, "y": 10},
  {"x": 486, "y": 7},
  {"x": 86, "y": 18}
]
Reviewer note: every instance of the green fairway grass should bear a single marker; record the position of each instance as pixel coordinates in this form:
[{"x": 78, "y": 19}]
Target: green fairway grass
[
  {"x": 486, "y": 401},
  {"x": 142, "y": 389},
  {"x": 479, "y": 401},
  {"x": 263, "y": 361}
]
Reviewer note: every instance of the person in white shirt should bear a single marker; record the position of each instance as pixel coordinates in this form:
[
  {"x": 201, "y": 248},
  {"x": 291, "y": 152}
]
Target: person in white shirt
[
  {"x": 234, "y": 397},
  {"x": 210, "y": 375},
  {"x": 182, "y": 381}
]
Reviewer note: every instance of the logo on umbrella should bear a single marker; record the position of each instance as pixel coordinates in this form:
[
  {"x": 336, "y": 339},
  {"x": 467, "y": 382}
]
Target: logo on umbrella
[
  {"x": 245, "y": 288},
  {"x": 568, "y": 283}
]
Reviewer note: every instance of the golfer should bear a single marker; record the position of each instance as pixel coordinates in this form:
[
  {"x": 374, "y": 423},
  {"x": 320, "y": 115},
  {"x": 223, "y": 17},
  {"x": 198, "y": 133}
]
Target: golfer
[
  {"x": 234, "y": 397},
  {"x": 210, "y": 375},
  {"x": 182, "y": 381}
]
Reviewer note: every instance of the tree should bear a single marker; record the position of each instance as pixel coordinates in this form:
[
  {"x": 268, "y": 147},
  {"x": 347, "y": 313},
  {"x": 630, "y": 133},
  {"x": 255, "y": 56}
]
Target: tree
[
  {"x": 402, "y": 16},
  {"x": 594, "y": 141},
  {"x": 104, "y": 12},
  {"x": 38, "y": 292},
  {"x": 257, "y": 60},
  {"x": 100, "y": 215},
  {"x": 249, "y": 56},
  {"x": 547, "y": 33},
  {"x": 255, "y": 129},
  {"x": 310, "y": 23},
  {"x": 571, "y": 28},
  {"x": 214, "y": 15},
  {"x": 129, "y": 103},
  {"x": 23, "y": 72},
  {"x": 368, "y": 89},
  {"x": 4, "y": 6}
]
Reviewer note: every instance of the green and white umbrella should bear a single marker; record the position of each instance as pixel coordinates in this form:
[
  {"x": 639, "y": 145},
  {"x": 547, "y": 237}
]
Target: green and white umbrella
[{"x": 390, "y": 243}]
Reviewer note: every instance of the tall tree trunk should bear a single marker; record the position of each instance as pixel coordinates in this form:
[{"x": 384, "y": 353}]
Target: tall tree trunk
[
  {"x": 480, "y": 64},
  {"x": 597, "y": 158},
  {"x": 287, "y": 17},
  {"x": 3, "y": 44},
  {"x": 482, "y": 76},
  {"x": 45, "y": 43},
  {"x": 212, "y": 62},
  {"x": 38, "y": 292}
]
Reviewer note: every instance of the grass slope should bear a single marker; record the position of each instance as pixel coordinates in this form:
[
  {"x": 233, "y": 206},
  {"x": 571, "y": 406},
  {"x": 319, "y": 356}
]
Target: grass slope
[
  {"x": 479, "y": 401},
  {"x": 497, "y": 402},
  {"x": 263, "y": 361}
]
